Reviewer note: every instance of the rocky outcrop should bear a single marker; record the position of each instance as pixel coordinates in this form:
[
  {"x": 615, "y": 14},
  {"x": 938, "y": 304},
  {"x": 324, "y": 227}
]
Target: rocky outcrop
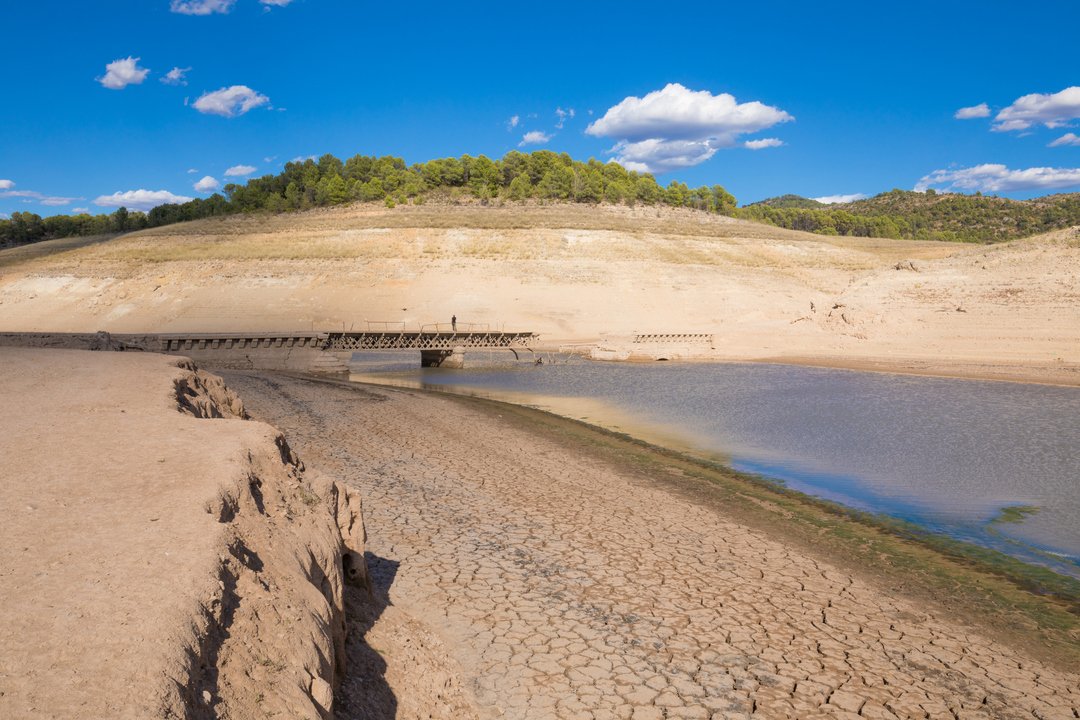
[
  {"x": 274, "y": 637},
  {"x": 204, "y": 395}
]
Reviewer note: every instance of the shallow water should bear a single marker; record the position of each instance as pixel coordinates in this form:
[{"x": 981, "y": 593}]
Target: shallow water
[{"x": 946, "y": 454}]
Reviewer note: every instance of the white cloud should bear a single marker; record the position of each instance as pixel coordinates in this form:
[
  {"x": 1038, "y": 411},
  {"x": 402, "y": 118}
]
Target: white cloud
[
  {"x": 175, "y": 76},
  {"x": 240, "y": 170},
  {"x": 1010, "y": 125},
  {"x": 678, "y": 113},
  {"x": 998, "y": 178},
  {"x": 269, "y": 158},
  {"x": 662, "y": 155},
  {"x": 4, "y": 216},
  {"x": 80, "y": 210},
  {"x": 1066, "y": 139},
  {"x": 29, "y": 196},
  {"x": 140, "y": 199},
  {"x": 833, "y": 199},
  {"x": 563, "y": 116},
  {"x": 512, "y": 122},
  {"x": 231, "y": 101},
  {"x": 192, "y": 171},
  {"x": 121, "y": 73},
  {"x": 1050, "y": 110},
  {"x": 302, "y": 158},
  {"x": 762, "y": 143},
  {"x": 676, "y": 127},
  {"x": 57, "y": 201},
  {"x": 201, "y": 7},
  {"x": 975, "y": 111},
  {"x": 207, "y": 184},
  {"x": 534, "y": 137},
  {"x": 275, "y": 3}
]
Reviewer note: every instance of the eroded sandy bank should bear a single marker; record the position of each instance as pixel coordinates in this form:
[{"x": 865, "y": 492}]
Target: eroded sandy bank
[{"x": 161, "y": 556}]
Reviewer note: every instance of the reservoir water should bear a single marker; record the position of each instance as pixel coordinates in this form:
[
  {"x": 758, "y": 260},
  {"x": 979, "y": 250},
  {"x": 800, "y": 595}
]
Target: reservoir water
[{"x": 947, "y": 454}]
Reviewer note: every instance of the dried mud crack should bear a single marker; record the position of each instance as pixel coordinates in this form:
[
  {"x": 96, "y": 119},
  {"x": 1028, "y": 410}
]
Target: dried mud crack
[{"x": 518, "y": 579}]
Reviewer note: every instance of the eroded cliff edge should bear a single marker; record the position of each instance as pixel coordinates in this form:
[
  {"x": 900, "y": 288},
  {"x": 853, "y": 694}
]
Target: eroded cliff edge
[{"x": 161, "y": 554}]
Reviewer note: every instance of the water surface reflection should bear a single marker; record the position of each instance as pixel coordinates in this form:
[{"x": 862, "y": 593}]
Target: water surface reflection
[{"x": 947, "y": 454}]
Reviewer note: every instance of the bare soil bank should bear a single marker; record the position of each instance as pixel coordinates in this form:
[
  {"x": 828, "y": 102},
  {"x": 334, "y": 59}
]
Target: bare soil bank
[
  {"x": 583, "y": 275},
  {"x": 161, "y": 556},
  {"x": 540, "y": 570}
]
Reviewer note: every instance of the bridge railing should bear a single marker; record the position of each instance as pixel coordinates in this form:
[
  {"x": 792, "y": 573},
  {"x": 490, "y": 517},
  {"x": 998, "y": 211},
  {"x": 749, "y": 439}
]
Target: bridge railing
[
  {"x": 339, "y": 342},
  {"x": 462, "y": 327},
  {"x": 385, "y": 325},
  {"x": 674, "y": 338}
]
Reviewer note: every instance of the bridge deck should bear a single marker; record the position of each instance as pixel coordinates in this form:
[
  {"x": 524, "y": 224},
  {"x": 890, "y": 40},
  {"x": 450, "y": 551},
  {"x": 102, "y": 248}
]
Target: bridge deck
[
  {"x": 323, "y": 341},
  {"x": 674, "y": 339},
  {"x": 426, "y": 340}
]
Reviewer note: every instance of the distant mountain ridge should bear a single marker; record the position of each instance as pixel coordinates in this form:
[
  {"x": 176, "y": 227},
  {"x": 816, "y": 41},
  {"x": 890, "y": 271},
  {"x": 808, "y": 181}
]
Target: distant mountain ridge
[
  {"x": 789, "y": 201},
  {"x": 907, "y": 214}
]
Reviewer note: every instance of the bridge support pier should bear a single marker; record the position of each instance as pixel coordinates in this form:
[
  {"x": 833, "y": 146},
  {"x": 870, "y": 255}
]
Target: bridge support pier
[
  {"x": 454, "y": 358},
  {"x": 331, "y": 363}
]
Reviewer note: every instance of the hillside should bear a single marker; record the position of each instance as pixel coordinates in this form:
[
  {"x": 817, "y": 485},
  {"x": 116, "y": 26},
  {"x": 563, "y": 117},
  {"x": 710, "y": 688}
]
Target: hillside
[
  {"x": 789, "y": 201},
  {"x": 923, "y": 216},
  {"x": 305, "y": 184},
  {"x": 519, "y": 179},
  {"x": 593, "y": 276}
]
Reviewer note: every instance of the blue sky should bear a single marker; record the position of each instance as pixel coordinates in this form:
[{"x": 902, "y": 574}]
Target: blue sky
[{"x": 839, "y": 98}]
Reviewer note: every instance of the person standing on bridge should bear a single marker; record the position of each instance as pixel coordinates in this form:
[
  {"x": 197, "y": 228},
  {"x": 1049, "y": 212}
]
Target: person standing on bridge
[{"x": 453, "y": 322}]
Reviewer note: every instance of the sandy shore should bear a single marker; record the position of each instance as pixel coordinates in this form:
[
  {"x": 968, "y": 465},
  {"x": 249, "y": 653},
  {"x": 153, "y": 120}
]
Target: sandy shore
[
  {"x": 1041, "y": 373},
  {"x": 545, "y": 581}
]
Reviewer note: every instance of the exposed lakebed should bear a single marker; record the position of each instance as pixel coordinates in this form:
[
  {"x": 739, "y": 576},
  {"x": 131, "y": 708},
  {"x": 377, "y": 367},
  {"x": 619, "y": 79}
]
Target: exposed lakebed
[{"x": 993, "y": 463}]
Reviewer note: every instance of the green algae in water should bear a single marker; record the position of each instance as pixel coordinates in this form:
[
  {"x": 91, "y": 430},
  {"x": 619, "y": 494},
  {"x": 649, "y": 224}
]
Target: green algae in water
[{"x": 1014, "y": 514}]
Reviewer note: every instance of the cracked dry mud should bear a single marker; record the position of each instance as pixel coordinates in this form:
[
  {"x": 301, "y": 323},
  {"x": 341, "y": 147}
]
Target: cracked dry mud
[{"x": 563, "y": 587}]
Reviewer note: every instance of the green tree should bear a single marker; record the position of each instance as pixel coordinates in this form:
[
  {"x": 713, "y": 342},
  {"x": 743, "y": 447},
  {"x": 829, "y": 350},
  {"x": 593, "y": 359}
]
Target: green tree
[
  {"x": 520, "y": 187},
  {"x": 294, "y": 196},
  {"x": 330, "y": 190},
  {"x": 372, "y": 190},
  {"x": 616, "y": 193},
  {"x": 120, "y": 219},
  {"x": 484, "y": 173},
  {"x": 513, "y": 164},
  {"x": 648, "y": 191},
  {"x": 588, "y": 185},
  {"x": 26, "y": 227},
  {"x": 556, "y": 183},
  {"x": 677, "y": 194},
  {"x": 446, "y": 172},
  {"x": 723, "y": 201},
  {"x": 540, "y": 163},
  {"x": 330, "y": 165}
]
